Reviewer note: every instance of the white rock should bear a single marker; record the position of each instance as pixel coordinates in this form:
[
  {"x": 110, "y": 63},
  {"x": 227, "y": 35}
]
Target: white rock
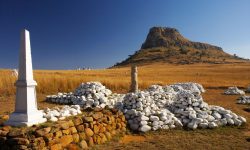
[
  {"x": 143, "y": 118},
  {"x": 143, "y": 123},
  {"x": 216, "y": 115},
  {"x": 210, "y": 118},
  {"x": 53, "y": 119},
  {"x": 212, "y": 125},
  {"x": 230, "y": 121},
  {"x": 192, "y": 125},
  {"x": 203, "y": 125},
  {"x": 228, "y": 116},
  {"x": 242, "y": 119},
  {"x": 237, "y": 122},
  {"x": 154, "y": 118},
  {"x": 145, "y": 128},
  {"x": 234, "y": 91}
]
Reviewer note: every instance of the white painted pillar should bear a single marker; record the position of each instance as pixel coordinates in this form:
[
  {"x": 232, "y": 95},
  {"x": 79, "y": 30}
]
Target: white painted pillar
[
  {"x": 134, "y": 81},
  {"x": 26, "y": 112}
]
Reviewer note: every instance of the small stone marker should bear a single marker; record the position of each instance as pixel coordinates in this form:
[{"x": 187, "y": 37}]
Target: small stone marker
[
  {"x": 134, "y": 81},
  {"x": 26, "y": 112}
]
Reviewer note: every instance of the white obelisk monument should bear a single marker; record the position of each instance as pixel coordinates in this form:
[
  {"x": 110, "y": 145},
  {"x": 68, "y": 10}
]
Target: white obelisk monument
[{"x": 26, "y": 112}]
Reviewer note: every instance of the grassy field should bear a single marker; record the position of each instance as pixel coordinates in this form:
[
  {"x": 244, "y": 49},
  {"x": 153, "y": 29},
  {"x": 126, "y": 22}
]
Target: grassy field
[
  {"x": 214, "y": 77},
  {"x": 118, "y": 80}
]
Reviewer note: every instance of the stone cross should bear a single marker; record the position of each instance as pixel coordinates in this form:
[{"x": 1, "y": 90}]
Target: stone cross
[
  {"x": 134, "y": 81},
  {"x": 26, "y": 112}
]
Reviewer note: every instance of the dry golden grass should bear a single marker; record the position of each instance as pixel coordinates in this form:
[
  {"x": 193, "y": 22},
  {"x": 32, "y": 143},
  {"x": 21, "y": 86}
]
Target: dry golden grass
[{"x": 118, "y": 80}]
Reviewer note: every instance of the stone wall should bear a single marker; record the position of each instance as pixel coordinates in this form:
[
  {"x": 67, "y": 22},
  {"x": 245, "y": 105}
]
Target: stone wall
[{"x": 93, "y": 127}]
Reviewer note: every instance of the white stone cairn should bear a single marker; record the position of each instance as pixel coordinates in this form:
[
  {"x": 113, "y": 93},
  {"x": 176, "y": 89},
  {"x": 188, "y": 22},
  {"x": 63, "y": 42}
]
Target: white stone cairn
[
  {"x": 26, "y": 112},
  {"x": 234, "y": 91},
  {"x": 243, "y": 100},
  {"x": 158, "y": 107},
  {"x": 134, "y": 80},
  {"x": 181, "y": 104},
  {"x": 90, "y": 94}
]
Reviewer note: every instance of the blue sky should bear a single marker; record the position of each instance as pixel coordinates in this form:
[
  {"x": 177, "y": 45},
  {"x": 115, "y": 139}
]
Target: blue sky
[{"x": 98, "y": 33}]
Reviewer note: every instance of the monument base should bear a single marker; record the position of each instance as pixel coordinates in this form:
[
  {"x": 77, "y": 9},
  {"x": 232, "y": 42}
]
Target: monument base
[{"x": 24, "y": 119}]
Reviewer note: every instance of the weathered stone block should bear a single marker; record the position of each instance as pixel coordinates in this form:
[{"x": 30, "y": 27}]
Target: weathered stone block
[
  {"x": 56, "y": 147},
  {"x": 73, "y": 130},
  {"x": 113, "y": 132},
  {"x": 101, "y": 135},
  {"x": 97, "y": 115},
  {"x": 38, "y": 142},
  {"x": 66, "y": 132},
  {"x": 76, "y": 138},
  {"x": 104, "y": 139},
  {"x": 71, "y": 123},
  {"x": 89, "y": 132},
  {"x": 118, "y": 126},
  {"x": 48, "y": 137},
  {"x": 102, "y": 129},
  {"x": 16, "y": 133},
  {"x": 80, "y": 128},
  {"x": 73, "y": 147},
  {"x": 86, "y": 125},
  {"x": 91, "y": 125},
  {"x": 96, "y": 129},
  {"x": 108, "y": 135},
  {"x": 87, "y": 119},
  {"x": 99, "y": 140},
  {"x": 53, "y": 142},
  {"x": 83, "y": 144},
  {"x": 64, "y": 125},
  {"x": 43, "y": 131},
  {"x": 66, "y": 140},
  {"x": 90, "y": 142},
  {"x": 58, "y": 134},
  {"x": 82, "y": 136},
  {"x": 109, "y": 128},
  {"x": 77, "y": 121}
]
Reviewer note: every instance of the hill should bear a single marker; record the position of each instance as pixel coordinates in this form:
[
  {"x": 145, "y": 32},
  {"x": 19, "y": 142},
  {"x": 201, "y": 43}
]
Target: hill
[{"x": 164, "y": 44}]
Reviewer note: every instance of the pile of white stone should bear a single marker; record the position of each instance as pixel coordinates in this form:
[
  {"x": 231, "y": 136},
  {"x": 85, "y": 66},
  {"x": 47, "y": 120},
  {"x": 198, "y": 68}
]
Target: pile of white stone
[
  {"x": 58, "y": 113},
  {"x": 143, "y": 113},
  {"x": 234, "y": 91},
  {"x": 244, "y": 100},
  {"x": 181, "y": 104},
  {"x": 158, "y": 107},
  {"x": 90, "y": 94},
  {"x": 193, "y": 112}
]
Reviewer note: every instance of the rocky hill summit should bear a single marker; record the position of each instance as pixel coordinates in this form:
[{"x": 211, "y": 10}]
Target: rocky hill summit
[
  {"x": 165, "y": 44},
  {"x": 167, "y": 37}
]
